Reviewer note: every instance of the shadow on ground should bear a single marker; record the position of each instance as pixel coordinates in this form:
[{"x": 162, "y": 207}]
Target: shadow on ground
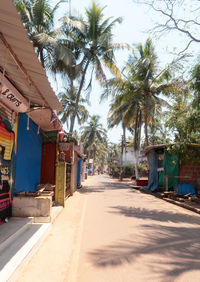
[
  {"x": 157, "y": 215},
  {"x": 170, "y": 251},
  {"x": 104, "y": 186},
  {"x": 169, "y": 247}
]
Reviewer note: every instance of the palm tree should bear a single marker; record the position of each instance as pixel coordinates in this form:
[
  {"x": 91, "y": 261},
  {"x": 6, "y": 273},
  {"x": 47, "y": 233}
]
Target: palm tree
[
  {"x": 113, "y": 156},
  {"x": 92, "y": 135},
  {"x": 38, "y": 17},
  {"x": 142, "y": 85},
  {"x": 126, "y": 109},
  {"x": 94, "y": 38},
  {"x": 68, "y": 100},
  {"x": 150, "y": 82},
  {"x": 98, "y": 149},
  {"x": 136, "y": 94}
]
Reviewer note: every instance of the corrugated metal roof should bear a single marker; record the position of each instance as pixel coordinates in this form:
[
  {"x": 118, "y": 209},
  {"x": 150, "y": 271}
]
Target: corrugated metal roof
[
  {"x": 153, "y": 147},
  {"x": 16, "y": 36}
]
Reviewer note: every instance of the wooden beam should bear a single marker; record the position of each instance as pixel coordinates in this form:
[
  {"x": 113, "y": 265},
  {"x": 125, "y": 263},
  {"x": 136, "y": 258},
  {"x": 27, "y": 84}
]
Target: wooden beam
[{"x": 21, "y": 67}]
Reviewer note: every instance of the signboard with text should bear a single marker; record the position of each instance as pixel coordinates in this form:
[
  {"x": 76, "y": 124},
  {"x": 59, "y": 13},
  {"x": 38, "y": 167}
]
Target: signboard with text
[
  {"x": 65, "y": 146},
  {"x": 11, "y": 97}
]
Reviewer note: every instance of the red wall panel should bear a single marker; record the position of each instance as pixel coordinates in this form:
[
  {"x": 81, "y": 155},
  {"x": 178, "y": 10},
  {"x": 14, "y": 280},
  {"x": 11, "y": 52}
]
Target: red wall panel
[{"x": 48, "y": 170}]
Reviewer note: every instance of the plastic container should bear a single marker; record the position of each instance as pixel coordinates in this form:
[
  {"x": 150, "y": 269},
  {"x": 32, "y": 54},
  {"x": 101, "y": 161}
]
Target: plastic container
[
  {"x": 186, "y": 189},
  {"x": 141, "y": 182}
]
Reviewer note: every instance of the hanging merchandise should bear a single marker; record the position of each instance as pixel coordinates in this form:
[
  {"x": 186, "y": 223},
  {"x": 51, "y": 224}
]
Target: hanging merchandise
[{"x": 6, "y": 148}]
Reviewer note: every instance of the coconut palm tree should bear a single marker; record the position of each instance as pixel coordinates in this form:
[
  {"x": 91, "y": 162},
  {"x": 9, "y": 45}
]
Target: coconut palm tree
[
  {"x": 98, "y": 150},
  {"x": 127, "y": 109},
  {"x": 142, "y": 85},
  {"x": 38, "y": 17},
  {"x": 136, "y": 93},
  {"x": 93, "y": 36},
  {"x": 92, "y": 135},
  {"x": 150, "y": 82},
  {"x": 68, "y": 100}
]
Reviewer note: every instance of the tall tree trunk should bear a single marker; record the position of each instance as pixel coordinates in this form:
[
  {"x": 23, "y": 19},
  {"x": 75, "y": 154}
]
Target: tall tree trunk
[
  {"x": 88, "y": 155},
  {"x": 78, "y": 97},
  {"x": 94, "y": 157},
  {"x": 146, "y": 119},
  {"x": 121, "y": 161},
  {"x": 137, "y": 142},
  {"x": 124, "y": 142}
]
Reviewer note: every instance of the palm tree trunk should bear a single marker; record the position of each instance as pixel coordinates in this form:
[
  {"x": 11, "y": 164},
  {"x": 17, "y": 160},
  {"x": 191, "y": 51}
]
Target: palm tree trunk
[
  {"x": 78, "y": 97},
  {"x": 41, "y": 57},
  {"x": 123, "y": 149},
  {"x": 137, "y": 142},
  {"x": 94, "y": 157},
  {"x": 121, "y": 161},
  {"x": 146, "y": 120}
]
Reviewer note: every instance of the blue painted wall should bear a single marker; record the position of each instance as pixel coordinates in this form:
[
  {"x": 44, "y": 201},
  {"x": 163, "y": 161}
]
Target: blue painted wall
[
  {"x": 29, "y": 152},
  {"x": 79, "y": 173}
]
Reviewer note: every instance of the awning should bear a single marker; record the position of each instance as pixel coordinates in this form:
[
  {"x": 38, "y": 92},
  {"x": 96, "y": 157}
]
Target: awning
[
  {"x": 45, "y": 119},
  {"x": 19, "y": 60}
]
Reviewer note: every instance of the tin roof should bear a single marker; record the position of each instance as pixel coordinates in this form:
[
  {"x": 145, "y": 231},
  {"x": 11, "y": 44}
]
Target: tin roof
[
  {"x": 19, "y": 59},
  {"x": 153, "y": 147},
  {"x": 160, "y": 146}
]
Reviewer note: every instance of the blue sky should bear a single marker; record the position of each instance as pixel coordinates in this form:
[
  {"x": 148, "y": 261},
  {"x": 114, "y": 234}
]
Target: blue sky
[{"x": 137, "y": 20}]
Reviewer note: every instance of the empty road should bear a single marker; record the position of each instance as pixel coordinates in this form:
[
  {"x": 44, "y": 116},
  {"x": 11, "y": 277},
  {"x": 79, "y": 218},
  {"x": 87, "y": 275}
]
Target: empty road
[{"x": 109, "y": 232}]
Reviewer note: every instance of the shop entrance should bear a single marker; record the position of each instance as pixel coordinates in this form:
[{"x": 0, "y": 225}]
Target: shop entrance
[
  {"x": 6, "y": 148},
  {"x": 5, "y": 191}
]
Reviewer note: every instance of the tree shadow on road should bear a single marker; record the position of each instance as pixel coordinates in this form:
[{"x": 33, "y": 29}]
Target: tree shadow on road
[
  {"x": 157, "y": 215},
  {"x": 165, "y": 251},
  {"x": 86, "y": 190},
  {"x": 102, "y": 187},
  {"x": 115, "y": 186}
]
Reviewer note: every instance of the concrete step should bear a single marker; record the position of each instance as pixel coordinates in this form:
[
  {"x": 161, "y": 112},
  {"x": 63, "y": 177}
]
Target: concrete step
[
  {"x": 13, "y": 229},
  {"x": 18, "y": 238}
]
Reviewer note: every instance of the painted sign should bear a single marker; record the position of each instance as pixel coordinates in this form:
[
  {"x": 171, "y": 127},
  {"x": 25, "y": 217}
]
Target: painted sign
[
  {"x": 65, "y": 146},
  {"x": 11, "y": 96},
  {"x": 6, "y": 141}
]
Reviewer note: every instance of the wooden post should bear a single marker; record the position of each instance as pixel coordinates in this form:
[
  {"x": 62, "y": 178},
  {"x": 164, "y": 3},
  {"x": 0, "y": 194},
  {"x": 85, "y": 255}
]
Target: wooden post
[
  {"x": 57, "y": 148},
  {"x": 60, "y": 183}
]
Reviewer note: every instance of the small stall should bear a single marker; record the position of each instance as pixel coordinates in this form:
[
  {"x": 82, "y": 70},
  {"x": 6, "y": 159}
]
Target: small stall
[
  {"x": 7, "y": 137},
  {"x": 163, "y": 168},
  {"x": 168, "y": 173},
  {"x": 27, "y": 105}
]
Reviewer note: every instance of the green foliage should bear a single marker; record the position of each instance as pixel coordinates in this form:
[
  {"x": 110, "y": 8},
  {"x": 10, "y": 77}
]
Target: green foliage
[
  {"x": 137, "y": 101},
  {"x": 114, "y": 167},
  {"x": 94, "y": 139},
  {"x": 184, "y": 121},
  {"x": 68, "y": 100},
  {"x": 38, "y": 17},
  {"x": 128, "y": 170}
]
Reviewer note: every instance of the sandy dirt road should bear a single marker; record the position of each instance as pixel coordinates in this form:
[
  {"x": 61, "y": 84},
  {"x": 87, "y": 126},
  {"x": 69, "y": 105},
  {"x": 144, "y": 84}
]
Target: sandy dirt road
[{"x": 109, "y": 232}]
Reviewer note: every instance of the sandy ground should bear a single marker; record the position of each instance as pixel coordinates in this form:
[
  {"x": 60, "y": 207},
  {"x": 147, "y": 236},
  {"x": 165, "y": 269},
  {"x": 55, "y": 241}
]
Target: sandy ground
[{"x": 109, "y": 232}]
